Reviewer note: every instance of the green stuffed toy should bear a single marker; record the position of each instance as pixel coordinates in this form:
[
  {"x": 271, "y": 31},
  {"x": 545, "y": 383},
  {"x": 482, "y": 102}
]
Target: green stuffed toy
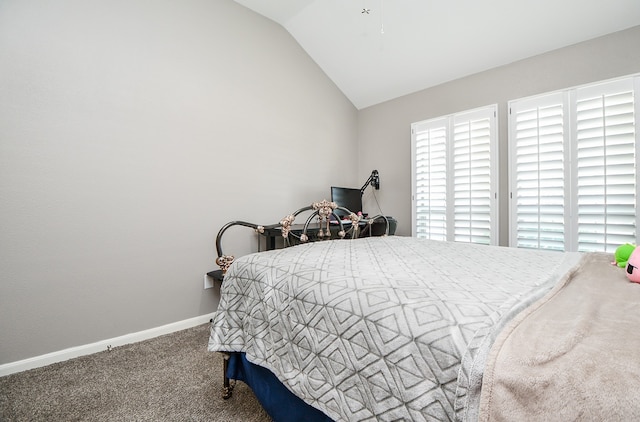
[{"x": 622, "y": 254}]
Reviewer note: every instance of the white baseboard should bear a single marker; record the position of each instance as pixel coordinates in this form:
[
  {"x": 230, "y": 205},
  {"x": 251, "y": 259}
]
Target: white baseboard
[{"x": 87, "y": 349}]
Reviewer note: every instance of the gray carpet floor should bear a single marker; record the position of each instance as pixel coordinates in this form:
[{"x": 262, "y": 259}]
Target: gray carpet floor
[{"x": 168, "y": 378}]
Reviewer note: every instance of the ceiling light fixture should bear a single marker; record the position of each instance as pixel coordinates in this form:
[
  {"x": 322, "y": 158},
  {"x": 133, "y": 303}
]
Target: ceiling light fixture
[
  {"x": 367, "y": 11},
  {"x": 381, "y": 17}
]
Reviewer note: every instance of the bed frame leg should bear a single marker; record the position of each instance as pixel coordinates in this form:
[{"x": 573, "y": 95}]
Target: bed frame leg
[{"x": 227, "y": 388}]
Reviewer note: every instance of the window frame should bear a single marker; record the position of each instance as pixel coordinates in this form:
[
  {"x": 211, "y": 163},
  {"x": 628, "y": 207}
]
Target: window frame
[
  {"x": 449, "y": 122},
  {"x": 569, "y": 100}
]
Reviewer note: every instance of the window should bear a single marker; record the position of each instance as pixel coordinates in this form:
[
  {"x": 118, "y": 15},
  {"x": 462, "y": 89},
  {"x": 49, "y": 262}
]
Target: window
[
  {"x": 538, "y": 170},
  {"x": 454, "y": 187},
  {"x": 573, "y": 159}
]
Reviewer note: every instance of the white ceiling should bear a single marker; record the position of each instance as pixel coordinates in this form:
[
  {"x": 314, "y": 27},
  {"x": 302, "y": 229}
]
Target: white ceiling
[{"x": 428, "y": 42}]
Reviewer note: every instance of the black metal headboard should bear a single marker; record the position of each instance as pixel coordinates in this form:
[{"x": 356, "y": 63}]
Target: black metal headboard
[{"x": 323, "y": 212}]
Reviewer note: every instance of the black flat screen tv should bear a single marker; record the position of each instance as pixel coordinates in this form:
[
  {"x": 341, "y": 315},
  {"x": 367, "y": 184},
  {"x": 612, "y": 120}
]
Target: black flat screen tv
[{"x": 350, "y": 198}]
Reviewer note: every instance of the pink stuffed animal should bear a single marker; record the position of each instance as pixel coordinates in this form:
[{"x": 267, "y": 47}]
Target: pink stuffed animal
[{"x": 633, "y": 266}]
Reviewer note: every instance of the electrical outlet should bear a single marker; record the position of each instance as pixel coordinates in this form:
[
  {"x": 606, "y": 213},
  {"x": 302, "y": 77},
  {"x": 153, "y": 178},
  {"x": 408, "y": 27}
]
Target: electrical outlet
[{"x": 208, "y": 282}]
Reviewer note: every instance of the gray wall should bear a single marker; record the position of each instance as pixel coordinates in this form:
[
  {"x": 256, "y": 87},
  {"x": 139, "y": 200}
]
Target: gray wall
[
  {"x": 384, "y": 138},
  {"x": 130, "y": 132}
]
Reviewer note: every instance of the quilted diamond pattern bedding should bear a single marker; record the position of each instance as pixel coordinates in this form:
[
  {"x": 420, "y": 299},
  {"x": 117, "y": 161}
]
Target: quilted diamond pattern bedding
[{"x": 380, "y": 328}]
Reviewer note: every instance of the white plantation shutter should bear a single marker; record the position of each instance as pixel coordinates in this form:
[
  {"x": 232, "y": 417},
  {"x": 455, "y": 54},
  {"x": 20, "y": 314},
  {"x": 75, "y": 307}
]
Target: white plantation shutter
[
  {"x": 606, "y": 166},
  {"x": 430, "y": 144},
  {"x": 472, "y": 171},
  {"x": 573, "y": 160},
  {"x": 539, "y": 173},
  {"x": 455, "y": 177}
]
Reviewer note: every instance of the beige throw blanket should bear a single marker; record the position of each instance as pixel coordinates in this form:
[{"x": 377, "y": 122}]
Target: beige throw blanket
[{"x": 574, "y": 355}]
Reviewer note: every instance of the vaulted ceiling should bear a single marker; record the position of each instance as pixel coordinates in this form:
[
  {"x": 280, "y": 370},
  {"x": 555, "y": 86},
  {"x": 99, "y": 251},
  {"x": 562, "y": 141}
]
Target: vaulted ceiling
[{"x": 377, "y": 50}]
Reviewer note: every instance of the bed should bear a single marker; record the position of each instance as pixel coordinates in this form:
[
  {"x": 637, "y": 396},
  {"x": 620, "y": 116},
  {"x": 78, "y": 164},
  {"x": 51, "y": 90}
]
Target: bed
[{"x": 362, "y": 328}]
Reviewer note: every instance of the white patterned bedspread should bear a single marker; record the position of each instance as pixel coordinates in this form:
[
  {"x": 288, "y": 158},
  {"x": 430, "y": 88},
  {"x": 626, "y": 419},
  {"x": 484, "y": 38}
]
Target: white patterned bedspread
[{"x": 380, "y": 328}]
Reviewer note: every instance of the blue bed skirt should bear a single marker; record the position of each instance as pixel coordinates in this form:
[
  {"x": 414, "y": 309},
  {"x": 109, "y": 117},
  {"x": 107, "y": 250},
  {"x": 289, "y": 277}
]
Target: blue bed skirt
[{"x": 280, "y": 403}]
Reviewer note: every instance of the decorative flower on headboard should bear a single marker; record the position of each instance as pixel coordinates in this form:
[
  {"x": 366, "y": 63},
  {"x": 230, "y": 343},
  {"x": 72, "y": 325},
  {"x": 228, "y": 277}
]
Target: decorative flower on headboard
[
  {"x": 286, "y": 224},
  {"x": 324, "y": 208},
  {"x": 355, "y": 220},
  {"x": 224, "y": 262}
]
